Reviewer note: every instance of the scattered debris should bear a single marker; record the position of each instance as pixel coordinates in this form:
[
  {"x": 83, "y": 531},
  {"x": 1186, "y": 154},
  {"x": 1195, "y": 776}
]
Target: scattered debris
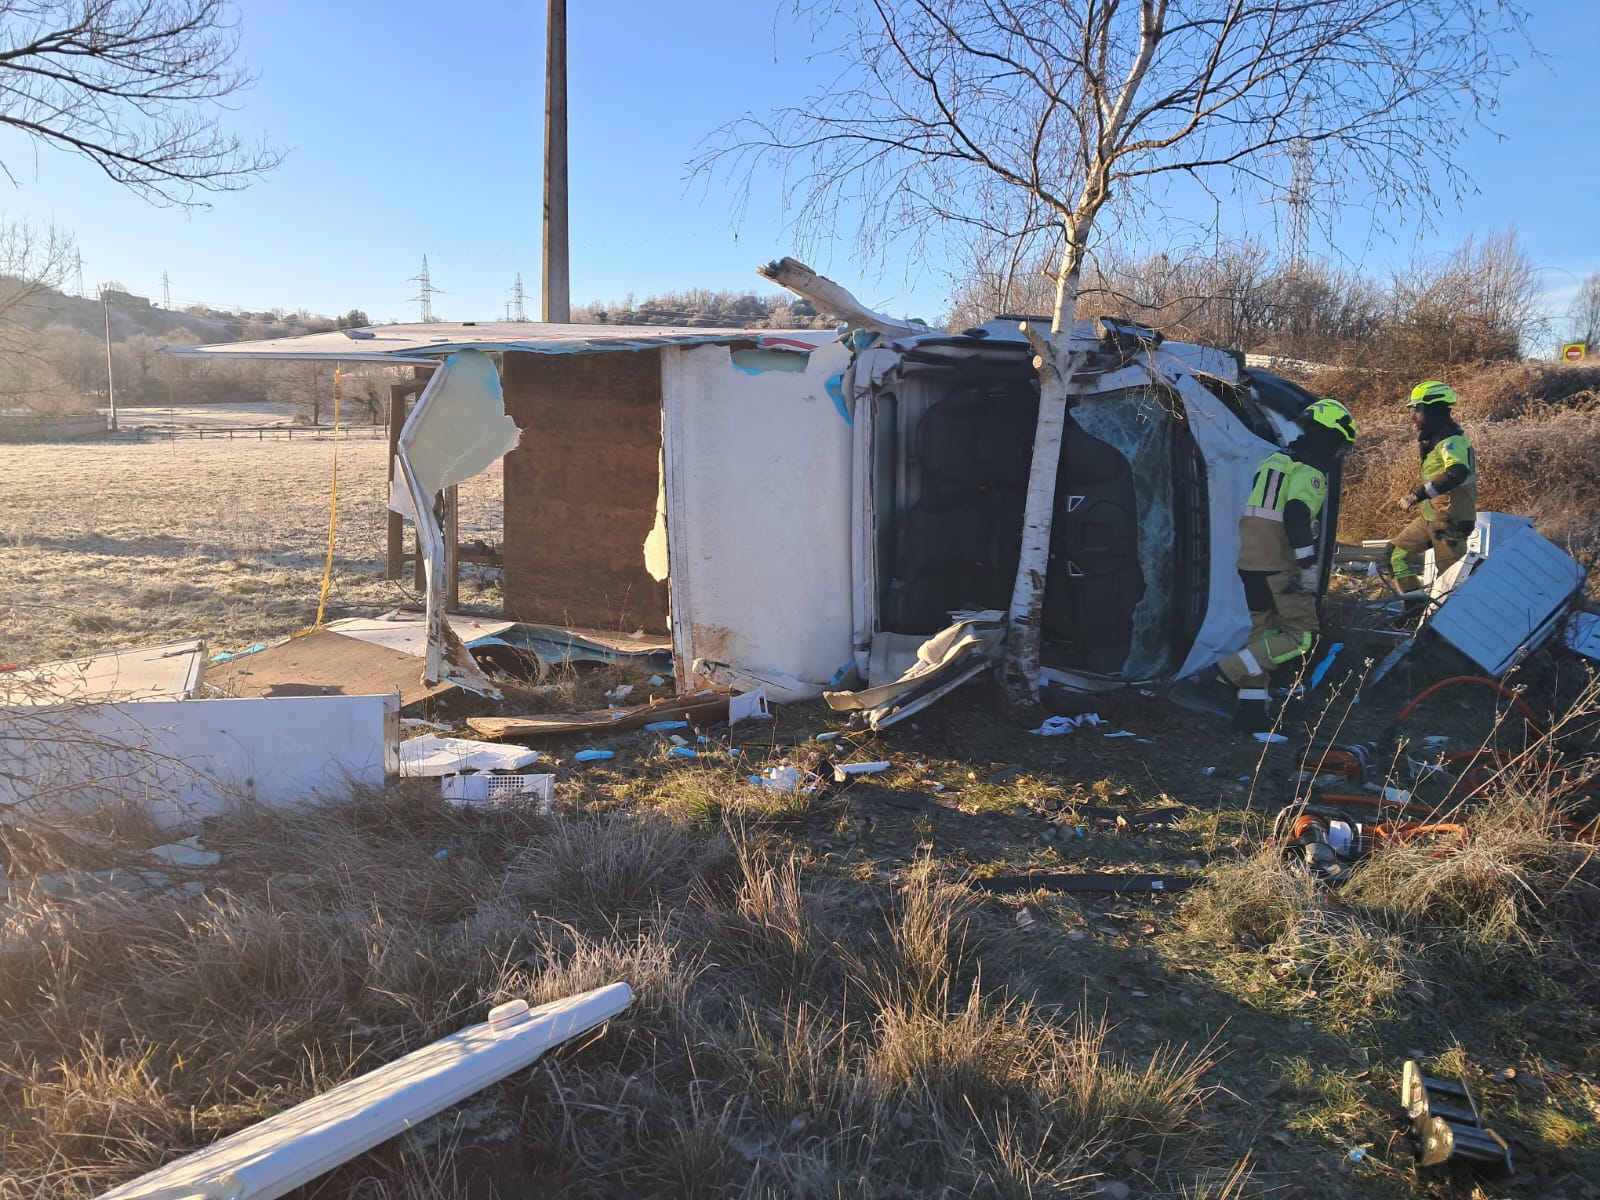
[
  {"x": 229, "y": 655},
  {"x": 196, "y": 758},
  {"x": 171, "y": 671},
  {"x": 187, "y": 853},
  {"x": 589, "y": 756},
  {"x": 431, "y": 755},
  {"x": 324, "y": 663},
  {"x": 275, "y": 1156},
  {"x": 785, "y": 779},
  {"x": 843, "y": 771},
  {"x": 696, "y": 707},
  {"x": 1057, "y": 726},
  {"x": 493, "y": 791},
  {"x": 937, "y": 667}
]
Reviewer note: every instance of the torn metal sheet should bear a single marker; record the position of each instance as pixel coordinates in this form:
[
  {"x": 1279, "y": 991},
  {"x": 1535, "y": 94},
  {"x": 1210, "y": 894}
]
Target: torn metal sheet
[
  {"x": 555, "y": 645},
  {"x": 1511, "y": 594},
  {"x": 431, "y": 756},
  {"x": 183, "y": 760},
  {"x": 324, "y": 663},
  {"x": 171, "y": 671},
  {"x": 275, "y": 1156},
  {"x": 458, "y": 428},
  {"x": 407, "y": 632},
  {"x": 944, "y": 662}
]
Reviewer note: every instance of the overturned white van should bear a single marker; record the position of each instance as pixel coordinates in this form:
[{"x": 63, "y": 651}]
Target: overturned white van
[{"x": 783, "y": 504}]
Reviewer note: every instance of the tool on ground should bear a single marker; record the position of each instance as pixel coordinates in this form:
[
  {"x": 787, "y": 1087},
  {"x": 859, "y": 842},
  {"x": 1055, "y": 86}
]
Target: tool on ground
[
  {"x": 1446, "y": 1126},
  {"x": 1084, "y": 881}
]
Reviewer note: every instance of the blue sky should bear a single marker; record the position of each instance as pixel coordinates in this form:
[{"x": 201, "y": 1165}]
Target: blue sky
[{"x": 415, "y": 128}]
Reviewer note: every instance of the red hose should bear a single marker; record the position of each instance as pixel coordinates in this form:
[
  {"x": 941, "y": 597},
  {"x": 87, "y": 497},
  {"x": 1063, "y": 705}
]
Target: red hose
[{"x": 1517, "y": 701}]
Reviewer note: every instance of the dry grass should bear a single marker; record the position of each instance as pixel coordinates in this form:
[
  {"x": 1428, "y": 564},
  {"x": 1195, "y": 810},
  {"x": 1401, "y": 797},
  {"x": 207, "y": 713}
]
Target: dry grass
[
  {"x": 786, "y": 1041},
  {"x": 1292, "y": 943},
  {"x": 126, "y": 544}
]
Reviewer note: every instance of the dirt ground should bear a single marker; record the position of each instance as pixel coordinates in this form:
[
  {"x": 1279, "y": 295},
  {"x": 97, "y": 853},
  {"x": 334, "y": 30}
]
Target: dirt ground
[{"x": 122, "y": 544}]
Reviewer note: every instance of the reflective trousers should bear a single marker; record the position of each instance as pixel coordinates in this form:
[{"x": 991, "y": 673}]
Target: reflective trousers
[
  {"x": 1283, "y": 625},
  {"x": 1415, "y": 538}
]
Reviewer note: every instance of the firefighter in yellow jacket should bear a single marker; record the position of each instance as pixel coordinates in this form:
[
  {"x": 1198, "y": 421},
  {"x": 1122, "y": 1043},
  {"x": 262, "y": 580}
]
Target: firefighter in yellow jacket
[
  {"x": 1448, "y": 493},
  {"x": 1278, "y": 559}
]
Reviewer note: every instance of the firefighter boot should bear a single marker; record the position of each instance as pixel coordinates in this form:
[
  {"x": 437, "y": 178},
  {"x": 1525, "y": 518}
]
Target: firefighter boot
[{"x": 1250, "y": 713}]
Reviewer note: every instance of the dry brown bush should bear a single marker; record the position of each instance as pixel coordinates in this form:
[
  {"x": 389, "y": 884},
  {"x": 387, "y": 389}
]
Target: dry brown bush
[
  {"x": 1540, "y": 465},
  {"x": 1492, "y": 391},
  {"x": 1496, "y": 391}
]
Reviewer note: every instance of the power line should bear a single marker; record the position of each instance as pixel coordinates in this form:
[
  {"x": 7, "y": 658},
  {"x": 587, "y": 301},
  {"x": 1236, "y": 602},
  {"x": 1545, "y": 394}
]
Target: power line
[
  {"x": 516, "y": 312},
  {"x": 425, "y": 292},
  {"x": 1299, "y": 202},
  {"x": 166, "y": 291}
]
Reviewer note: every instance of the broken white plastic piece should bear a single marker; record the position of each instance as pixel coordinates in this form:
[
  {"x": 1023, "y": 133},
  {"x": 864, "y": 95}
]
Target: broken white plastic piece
[
  {"x": 492, "y": 791},
  {"x": 458, "y": 428},
  {"x": 279, "y": 1154},
  {"x": 749, "y": 706},
  {"x": 431, "y": 755},
  {"x": 1057, "y": 726},
  {"x": 843, "y": 771}
]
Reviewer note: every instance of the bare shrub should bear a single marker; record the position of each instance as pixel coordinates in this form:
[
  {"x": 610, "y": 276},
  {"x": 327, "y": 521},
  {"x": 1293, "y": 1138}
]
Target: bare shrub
[
  {"x": 1301, "y": 945},
  {"x": 1496, "y": 391},
  {"x": 618, "y": 864},
  {"x": 1489, "y": 893}
]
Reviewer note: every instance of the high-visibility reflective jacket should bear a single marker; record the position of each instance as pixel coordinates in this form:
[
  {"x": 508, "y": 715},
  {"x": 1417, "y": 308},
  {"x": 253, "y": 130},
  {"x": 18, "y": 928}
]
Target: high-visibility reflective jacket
[
  {"x": 1278, "y": 529},
  {"x": 1449, "y": 490}
]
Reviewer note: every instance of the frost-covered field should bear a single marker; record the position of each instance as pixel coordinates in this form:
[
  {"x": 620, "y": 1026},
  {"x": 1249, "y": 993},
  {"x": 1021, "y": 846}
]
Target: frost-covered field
[{"x": 128, "y": 543}]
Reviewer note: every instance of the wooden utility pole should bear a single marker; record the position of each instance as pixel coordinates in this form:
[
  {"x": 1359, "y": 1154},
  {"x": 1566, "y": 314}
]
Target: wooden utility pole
[{"x": 556, "y": 304}]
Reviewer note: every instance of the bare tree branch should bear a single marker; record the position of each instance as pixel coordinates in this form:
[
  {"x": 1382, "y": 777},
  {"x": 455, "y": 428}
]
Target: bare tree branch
[
  {"x": 135, "y": 86},
  {"x": 1084, "y": 107}
]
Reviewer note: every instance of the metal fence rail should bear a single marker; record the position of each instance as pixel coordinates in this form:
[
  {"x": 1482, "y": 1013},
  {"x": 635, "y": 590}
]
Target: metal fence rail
[{"x": 261, "y": 433}]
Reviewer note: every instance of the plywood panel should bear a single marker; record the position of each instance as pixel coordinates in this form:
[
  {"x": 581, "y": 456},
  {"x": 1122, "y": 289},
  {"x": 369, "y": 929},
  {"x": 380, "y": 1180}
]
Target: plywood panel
[{"x": 580, "y": 492}]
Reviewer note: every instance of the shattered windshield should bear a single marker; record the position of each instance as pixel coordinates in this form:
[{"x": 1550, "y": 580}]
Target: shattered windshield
[{"x": 1137, "y": 422}]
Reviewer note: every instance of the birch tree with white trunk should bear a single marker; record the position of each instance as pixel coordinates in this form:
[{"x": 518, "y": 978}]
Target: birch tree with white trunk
[{"x": 976, "y": 113}]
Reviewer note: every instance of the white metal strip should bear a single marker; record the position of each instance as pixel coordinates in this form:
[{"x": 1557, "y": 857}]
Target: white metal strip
[{"x": 295, "y": 1146}]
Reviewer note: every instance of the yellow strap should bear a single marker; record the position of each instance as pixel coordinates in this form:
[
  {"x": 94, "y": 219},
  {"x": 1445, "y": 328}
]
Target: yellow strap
[{"x": 333, "y": 506}]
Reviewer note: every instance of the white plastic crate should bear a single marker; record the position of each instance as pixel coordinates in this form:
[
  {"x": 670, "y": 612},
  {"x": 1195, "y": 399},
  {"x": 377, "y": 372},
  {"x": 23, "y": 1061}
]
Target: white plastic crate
[{"x": 491, "y": 791}]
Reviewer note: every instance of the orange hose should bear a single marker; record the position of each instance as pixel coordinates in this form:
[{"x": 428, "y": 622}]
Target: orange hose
[{"x": 1517, "y": 701}]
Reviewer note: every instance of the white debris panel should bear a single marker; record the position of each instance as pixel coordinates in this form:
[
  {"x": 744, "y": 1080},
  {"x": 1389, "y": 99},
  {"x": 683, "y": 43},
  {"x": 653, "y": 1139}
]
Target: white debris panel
[
  {"x": 283, "y": 1152},
  {"x": 183, "y": 760},
  {"x": 171, "y": 671},
  {"x": 1508, "y": 595}
]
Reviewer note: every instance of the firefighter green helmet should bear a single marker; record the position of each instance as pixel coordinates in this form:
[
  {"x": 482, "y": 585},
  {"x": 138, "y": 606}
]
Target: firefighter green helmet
[
  {"x": 1431, "y": 391},
  {"x": 1330, "y": 414}
]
